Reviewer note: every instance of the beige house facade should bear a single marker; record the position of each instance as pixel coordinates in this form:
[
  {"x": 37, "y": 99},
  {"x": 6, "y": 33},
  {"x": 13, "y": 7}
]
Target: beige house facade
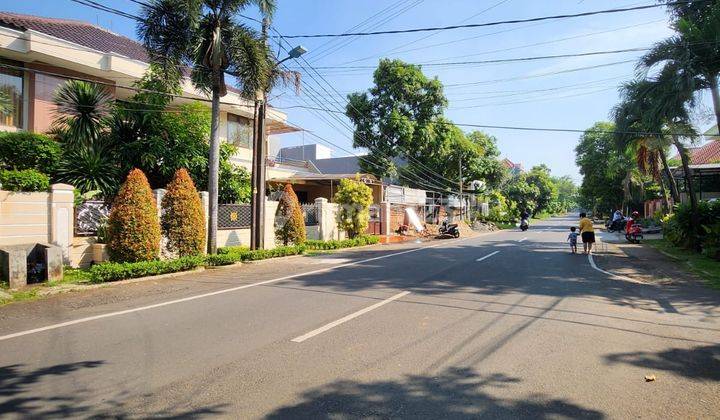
[{"x": 38, "y": 54}]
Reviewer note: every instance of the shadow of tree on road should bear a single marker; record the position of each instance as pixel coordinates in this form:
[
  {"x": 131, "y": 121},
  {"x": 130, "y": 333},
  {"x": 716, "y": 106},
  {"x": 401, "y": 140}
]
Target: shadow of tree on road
[
  {"x": 21, "y": 395},
  {"x": 700, "y": 362},
  {"x": 456, "y": 393}
]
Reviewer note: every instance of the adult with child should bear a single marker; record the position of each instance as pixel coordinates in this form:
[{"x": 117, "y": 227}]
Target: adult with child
[{"x": 587, "y": 233}]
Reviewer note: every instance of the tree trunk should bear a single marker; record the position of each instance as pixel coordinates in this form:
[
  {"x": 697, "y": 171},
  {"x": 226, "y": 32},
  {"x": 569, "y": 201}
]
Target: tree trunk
[
  {"x": 715, "y": 98},
  {"x": 695, "y": 217},
  {"x": 666, "y": 199},
  {"x": 674, "y": 192},
  {"x": 213, "y": 171}
]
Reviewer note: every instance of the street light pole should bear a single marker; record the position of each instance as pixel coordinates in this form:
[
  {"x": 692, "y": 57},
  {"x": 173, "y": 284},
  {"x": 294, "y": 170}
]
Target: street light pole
[{"x": 259, "y": 164}]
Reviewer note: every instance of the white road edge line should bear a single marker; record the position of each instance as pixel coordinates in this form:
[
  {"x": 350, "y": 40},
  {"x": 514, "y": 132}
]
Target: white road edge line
[
  {"x": 218, "y": 292},
  {"x": 617, "y": 276},
  {"x": 347, "y": 318},
  {"x": 487, "y": 256},
  {"x": 520, "y": 240}
]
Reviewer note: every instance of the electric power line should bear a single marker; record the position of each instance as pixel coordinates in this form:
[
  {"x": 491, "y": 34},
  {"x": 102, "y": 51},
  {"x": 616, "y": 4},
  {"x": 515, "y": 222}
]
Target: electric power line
[{"x": 501, "y": 22}]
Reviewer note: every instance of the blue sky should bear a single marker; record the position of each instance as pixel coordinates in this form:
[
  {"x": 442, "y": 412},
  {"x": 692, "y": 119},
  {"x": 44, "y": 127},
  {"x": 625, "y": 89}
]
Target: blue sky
[{"x": 507, "y": 94}]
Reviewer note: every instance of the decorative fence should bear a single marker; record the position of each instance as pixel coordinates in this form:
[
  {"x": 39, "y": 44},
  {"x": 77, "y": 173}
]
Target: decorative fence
[
  {"x": 310, "y": 214},
  {"x": 234, "y": 216},
  {"x": 89, "y": 215}
]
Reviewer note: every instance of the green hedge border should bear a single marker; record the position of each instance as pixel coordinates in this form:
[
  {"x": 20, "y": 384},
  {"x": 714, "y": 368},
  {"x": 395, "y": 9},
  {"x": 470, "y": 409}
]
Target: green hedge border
[{"x": 108, "y": 272}]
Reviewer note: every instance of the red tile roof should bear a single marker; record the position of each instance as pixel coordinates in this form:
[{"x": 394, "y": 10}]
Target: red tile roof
[
  {"x": 76, "y": 31},
  {"x": 703, "y": 155},
  {"x": 709, "y": 153}
]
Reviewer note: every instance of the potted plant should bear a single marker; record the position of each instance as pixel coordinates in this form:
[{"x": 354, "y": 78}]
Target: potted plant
[{"x": 99, "y": 248}]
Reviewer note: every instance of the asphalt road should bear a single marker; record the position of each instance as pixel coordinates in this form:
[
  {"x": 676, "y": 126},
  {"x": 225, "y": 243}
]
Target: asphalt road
[{"x": 504, "y": 325}]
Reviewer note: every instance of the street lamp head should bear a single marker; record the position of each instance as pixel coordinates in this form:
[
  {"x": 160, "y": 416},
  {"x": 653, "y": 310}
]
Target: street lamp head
[{"x": 297, "y": 51}]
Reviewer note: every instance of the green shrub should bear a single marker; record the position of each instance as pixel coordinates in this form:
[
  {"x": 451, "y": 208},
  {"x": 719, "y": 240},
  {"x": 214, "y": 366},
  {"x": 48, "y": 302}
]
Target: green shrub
[
  {"x": 183, "y": 217},
  {"x": 345, "y": 243},
  {"x": 23, "y": 150},
  {"x": 281, "y": 251},
  {"x": 354, "y": 198},
  {"x": 232, "y": 249},
  {"x": 133, "y": 225},
  {"x": 26, "y": 180},
  {"x": 677, "y": 227},
  {"x": 292, "y": 222},
  {"x": 105, "y": 272},
  {"x": 222, "y": 259}
]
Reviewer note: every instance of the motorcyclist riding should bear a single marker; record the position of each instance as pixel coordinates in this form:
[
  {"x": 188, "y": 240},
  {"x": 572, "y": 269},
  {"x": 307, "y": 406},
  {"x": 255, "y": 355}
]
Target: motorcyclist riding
[{"x": 524, "y": 220}]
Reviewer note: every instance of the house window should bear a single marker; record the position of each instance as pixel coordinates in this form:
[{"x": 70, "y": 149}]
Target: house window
[
  {"x": 240, "y": 132},
  {"x": 11, "y": 97}
]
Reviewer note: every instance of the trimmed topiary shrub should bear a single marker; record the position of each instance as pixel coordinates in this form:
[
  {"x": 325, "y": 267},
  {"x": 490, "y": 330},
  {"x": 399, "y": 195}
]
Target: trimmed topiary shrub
[
  {"x": 22, "y": 150},
  {"x": 292, "y": 222},
  {"x": 27, "y": 180},
  {"x": 354, "y": 198},
  {"x": 133, "y": 225},
  {"x": 183, "y": 217}
]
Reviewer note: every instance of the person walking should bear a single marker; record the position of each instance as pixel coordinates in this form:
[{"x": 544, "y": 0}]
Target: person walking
[{"x": 587, "y": 233}]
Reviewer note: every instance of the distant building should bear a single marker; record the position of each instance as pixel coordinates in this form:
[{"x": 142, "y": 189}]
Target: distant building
[
  {"x": 705, "y": 169},
  {"x": 514, "y": 168},
  {"x": 321, "y": 158}
]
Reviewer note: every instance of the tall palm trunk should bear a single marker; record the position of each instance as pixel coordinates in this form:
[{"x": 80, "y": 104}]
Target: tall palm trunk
[
  {"x": 674, "y": 192},
  {"x": 715, "y": 93},
  {"x": 666, "y": 198},
  {"x": 695, "y": 217},
  {"x": 213, "y": 170}
]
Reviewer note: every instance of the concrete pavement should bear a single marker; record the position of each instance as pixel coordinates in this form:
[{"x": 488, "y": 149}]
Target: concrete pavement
[{"x": 503, "y": 325}]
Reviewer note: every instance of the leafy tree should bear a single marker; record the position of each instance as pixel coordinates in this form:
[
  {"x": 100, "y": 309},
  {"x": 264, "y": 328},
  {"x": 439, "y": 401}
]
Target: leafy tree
[
  {"x": 204, "y": 37},
  {"x": 133, "y": 224},
  {"x": 293, "y": 222},
  {"x": 394, "y": 119},
  {"x": 604, "y": 169},
  {"x": 539, "y": 177},
  {"x": 524, "y": 194},
  {"x": 183, "y": 217},
  {"x": 567, "y": 193},
  {"x": 354, "y": 199}
]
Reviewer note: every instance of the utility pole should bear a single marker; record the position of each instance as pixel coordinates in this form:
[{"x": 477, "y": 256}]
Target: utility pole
[
  {"x": 257, "y": 179},
  {"x": 461, "y": 186},
  {"x": 257, "y": 211}
]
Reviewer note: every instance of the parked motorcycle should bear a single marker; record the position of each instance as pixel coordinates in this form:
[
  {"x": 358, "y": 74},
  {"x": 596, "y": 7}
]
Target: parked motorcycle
[
  {"x": 449, "y": 229},
  {"x": 616, "y": 226},
  {"x": 634, "y": 233}
]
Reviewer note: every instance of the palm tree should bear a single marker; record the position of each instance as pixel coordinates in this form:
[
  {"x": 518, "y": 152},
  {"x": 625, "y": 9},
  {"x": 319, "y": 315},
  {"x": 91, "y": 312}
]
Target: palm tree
[
  {"x": 669, "y": 95},
  {"x": 634, "y": 131},
  {"x": 203, "y": 37},
  {"x": 694, "y": 50},
  {"x": 82, "y": 112}
]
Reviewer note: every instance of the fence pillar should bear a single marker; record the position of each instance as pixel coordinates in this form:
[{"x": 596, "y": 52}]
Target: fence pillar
[
  {"x": 158, "y": 194},
  {"x": 205, "y": 197},
  {"x": 62, "y": 216},
  {"x": 270, "y": 209},
  {"x": 385, "y": 218}
]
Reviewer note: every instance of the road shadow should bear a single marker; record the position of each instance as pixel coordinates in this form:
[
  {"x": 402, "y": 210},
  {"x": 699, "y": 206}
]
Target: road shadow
[
  {"x": 457, "y": 393},
  {"x": 700, "y": 362},
  {"x": 22, "y": 396}
]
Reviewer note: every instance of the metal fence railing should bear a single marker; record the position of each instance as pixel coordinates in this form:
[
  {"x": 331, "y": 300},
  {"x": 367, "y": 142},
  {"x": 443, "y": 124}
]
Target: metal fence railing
[
  {"x": 310, "y": 214},
  {"x": 89, "y": 215},
  {"x": 234, "y": 216}
]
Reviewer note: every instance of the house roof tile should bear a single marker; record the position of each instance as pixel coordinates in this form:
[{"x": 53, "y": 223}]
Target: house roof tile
[
  {"x": 705, "y": 154},
  {"x": 79, "y": 32}
]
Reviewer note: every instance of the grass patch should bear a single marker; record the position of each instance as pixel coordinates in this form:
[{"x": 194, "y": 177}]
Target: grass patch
[{"x": 705, "y": 267}]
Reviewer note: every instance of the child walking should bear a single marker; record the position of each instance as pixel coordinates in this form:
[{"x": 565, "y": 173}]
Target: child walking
[{"x": 572, "y": 238}]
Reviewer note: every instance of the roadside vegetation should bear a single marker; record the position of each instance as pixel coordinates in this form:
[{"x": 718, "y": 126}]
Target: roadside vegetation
[{"x": 630, "y": 160}]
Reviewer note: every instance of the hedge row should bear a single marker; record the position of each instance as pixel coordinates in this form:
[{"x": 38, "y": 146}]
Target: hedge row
[
  {"x": 345, "y": 243},
  {"x": 26, "y": 180},
  {"x": 111, "y": 271},
  {"x": 105, "y": 272}
]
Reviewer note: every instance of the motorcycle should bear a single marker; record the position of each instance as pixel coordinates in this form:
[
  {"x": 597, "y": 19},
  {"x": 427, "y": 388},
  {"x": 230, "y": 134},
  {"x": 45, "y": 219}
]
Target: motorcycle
[
  {"x": 634, "y": 233},
  {"x": 524, "y": 225},
  {"x": 616, "y": 226},
  {"x": 449, "y": 229}
]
